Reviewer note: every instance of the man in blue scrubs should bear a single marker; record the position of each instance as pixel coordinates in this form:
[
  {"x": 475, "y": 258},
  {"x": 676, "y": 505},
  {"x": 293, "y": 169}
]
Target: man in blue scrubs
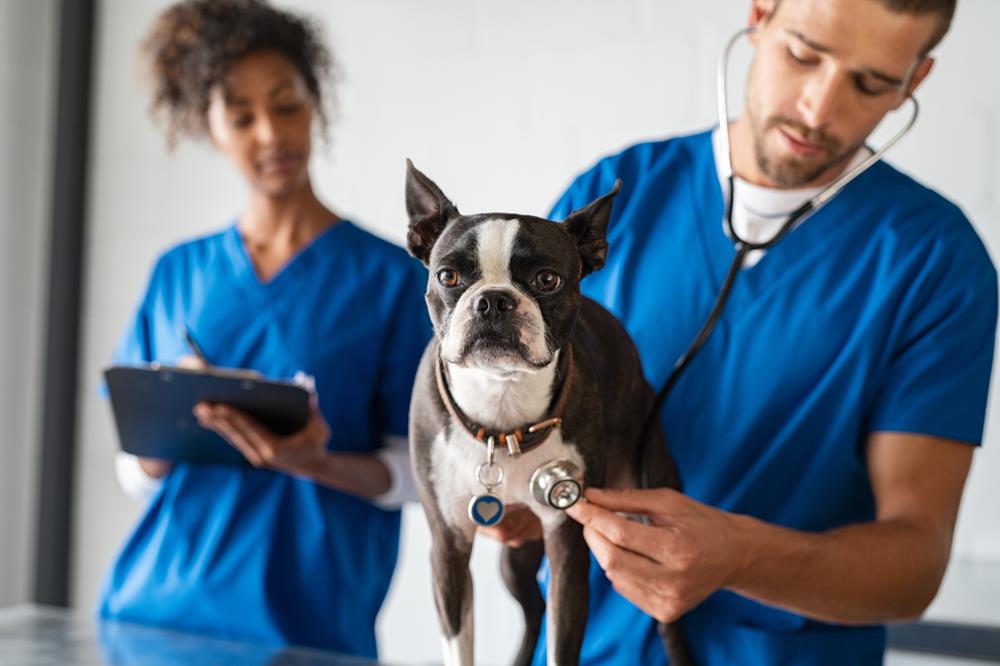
[{"x": 825, "y": 431}]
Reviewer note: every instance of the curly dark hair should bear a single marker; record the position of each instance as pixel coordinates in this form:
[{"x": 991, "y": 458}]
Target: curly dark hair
[{"x": 193, "y": 43}]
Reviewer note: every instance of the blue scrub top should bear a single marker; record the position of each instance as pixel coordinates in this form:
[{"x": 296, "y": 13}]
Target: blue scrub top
[
  {"x": 878, "y": 313},
  {"x": 253, "y": 554}
]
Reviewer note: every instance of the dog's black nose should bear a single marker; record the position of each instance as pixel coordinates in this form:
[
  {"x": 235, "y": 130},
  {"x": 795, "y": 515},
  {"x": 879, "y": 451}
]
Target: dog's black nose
[{"x": 493, "y": 303}]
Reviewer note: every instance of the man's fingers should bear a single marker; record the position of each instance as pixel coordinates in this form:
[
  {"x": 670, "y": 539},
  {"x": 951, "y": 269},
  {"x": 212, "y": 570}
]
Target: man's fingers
[
  {"x": 615, "y": 558},
  {"x": 632, "y": 500},
  {"x": 512, "y": 538},
  {"x": 522, "y": 532},
  {"x": 635, "y": 592},
  {"x": 519, "y": 526},
  {"x": 633, "y": 577},
  {"x": 619, "y": 531}
]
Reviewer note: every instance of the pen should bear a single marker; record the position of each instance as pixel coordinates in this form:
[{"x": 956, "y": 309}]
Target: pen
[{"x": 194, "y": 347}]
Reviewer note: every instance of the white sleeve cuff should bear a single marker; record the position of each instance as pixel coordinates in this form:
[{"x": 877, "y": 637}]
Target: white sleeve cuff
[
  {"x": 133, "y": 479},
  {"x": 395, "y": 455}
]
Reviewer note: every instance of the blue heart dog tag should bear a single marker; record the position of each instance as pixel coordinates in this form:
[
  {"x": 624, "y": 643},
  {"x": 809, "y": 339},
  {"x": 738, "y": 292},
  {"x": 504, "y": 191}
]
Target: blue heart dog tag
[{"x": 486, "y": 510}]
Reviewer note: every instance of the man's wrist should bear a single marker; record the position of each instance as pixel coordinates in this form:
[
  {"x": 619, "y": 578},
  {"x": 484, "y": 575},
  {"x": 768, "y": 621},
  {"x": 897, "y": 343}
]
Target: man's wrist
[{"x": 743, "y": 545}]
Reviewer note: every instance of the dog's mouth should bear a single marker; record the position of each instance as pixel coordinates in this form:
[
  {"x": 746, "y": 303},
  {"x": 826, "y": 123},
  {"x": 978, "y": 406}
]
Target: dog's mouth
[
  {"x": 497, "y": 350},
  {"x": 493, "y": 342},
  {"x": 498, "y": 344}
]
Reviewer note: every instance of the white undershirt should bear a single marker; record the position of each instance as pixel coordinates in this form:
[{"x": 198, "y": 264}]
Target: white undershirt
[
  {"x": 759, "y": 212},
  {"x": 394, "y": 454}
]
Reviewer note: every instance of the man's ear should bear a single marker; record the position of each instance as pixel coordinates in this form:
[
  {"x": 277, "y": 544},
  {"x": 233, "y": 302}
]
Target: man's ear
[
  {"x": 920, "y": 72},
  {"x": 761, "y": 12},
  {"x": 588, "y": 226},
  {"x": 429, "y": 211}
]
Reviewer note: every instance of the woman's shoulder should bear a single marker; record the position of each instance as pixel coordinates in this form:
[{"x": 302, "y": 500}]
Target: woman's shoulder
[
  {"x": 190, "y": 255},
  {"x": 196, "y": 246},
  {"x": 378, "y": 250}
]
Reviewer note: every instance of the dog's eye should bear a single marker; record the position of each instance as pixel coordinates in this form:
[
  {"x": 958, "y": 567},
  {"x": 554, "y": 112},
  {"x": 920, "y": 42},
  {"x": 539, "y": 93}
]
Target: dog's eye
[
  {"x": 547, "y": 281},
  {"x": 448, "y": 277}
]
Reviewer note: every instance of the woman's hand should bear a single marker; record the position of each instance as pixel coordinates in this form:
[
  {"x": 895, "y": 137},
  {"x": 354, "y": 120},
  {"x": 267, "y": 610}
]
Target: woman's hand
[
  {"x": 300, "y": 453},
  {"x": 158, "y": 468},
  {"x": 155, "y": 468},
  {"x": 689, "y": 550}
]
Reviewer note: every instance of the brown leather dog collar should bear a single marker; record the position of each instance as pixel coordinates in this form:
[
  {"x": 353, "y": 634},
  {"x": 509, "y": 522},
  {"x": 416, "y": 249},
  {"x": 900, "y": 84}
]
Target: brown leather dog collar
[{"x": 521, "y": 439}]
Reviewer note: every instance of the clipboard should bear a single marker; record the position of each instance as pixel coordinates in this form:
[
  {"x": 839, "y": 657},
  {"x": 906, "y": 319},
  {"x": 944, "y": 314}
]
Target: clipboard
[{"x": 153, "y": 405}]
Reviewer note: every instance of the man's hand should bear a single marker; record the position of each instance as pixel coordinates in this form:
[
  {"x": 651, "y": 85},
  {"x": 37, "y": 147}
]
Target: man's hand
[
  {"x": 863, "y": 573},
  {"x": 689, "y": 550},
  {"x": 300, "y": 453},
  {"x": 519, "y": 526}
]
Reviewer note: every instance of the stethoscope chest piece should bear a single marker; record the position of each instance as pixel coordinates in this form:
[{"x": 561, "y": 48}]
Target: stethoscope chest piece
[{"x": 557, "y": 484}]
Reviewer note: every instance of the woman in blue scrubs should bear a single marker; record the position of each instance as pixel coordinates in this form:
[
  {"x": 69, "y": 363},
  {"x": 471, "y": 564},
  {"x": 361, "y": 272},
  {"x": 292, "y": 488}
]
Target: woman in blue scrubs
[{"x": 299, "y": 546}]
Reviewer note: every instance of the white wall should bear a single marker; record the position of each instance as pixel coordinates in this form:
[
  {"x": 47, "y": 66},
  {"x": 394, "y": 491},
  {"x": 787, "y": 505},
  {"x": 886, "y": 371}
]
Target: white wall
[
  {"x": 500, "y": 103},
  {"x": 27, "y": 41}
]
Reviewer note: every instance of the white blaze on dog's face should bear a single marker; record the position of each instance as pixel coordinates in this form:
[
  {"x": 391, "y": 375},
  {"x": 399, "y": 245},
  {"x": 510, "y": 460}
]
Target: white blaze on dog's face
[{"x": 503, "y": 290}]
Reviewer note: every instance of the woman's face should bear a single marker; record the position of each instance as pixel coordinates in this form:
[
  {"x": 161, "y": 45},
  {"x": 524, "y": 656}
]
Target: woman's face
[{"x": 261, "y": 118}]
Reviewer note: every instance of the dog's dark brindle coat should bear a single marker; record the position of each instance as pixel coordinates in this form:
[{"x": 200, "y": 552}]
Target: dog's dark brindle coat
[{"x": 603, "y": 418}]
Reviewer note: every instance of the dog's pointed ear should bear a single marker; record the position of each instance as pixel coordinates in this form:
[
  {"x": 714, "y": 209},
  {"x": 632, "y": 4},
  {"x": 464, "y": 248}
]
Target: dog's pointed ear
[
  {"x": 588, "y": 226},
  {"x": 429, "y": 211}
]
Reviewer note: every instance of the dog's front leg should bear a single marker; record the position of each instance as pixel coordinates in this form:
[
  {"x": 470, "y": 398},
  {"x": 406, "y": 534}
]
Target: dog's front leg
[
  {"x": 453, "y": 593},
  {"x": 520, "y": 573},
  {"x": 568, "y": 591}
]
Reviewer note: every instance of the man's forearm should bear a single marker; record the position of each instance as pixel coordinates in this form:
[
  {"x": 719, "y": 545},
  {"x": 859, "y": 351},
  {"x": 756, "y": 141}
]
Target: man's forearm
[{"x": 859, "y": 574}]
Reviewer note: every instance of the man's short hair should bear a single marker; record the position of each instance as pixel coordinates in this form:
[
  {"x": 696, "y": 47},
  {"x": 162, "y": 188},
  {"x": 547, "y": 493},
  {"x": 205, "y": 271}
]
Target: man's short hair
[{"x": 945, "y": 9}]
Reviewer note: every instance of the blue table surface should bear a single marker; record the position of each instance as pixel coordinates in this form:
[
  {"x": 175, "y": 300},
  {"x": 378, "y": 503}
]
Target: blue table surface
[{"x": 44, "y": 636}]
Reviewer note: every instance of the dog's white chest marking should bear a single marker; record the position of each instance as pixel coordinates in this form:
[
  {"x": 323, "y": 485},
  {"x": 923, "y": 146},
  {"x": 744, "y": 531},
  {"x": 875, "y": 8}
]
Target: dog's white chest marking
[
  {"x": 507, "y": 405},
  {"x": 457, "y": 456}
]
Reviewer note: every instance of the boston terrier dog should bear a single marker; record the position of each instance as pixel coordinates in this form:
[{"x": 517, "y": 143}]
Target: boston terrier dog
[{"x": 528, "y": 393}]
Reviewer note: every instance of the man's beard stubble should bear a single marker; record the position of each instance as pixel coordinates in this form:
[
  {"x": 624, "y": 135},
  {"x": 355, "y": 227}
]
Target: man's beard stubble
[{"x": 792, "y": 172}]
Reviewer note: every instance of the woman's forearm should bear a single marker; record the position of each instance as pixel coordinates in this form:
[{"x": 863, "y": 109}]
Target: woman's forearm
[{"x": 364, "y": 475}]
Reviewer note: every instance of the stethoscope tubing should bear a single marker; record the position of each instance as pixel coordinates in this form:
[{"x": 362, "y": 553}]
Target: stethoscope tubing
[{"x": 743, "y": 247}]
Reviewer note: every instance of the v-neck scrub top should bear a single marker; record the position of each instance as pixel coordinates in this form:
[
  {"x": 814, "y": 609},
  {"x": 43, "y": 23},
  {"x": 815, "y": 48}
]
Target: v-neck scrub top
[
  {"x": 878, "y": 313},
  {"x": 254, "y": 554}
]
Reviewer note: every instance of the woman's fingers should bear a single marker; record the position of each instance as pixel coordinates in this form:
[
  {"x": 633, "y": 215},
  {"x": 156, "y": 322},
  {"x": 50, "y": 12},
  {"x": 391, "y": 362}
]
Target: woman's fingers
[
  {"x": 209, "y": 418},
  {"x": 252, "y": 432}
]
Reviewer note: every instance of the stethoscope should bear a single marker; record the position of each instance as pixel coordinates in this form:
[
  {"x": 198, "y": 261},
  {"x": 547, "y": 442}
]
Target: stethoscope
[{"x": 743, "y": 246}]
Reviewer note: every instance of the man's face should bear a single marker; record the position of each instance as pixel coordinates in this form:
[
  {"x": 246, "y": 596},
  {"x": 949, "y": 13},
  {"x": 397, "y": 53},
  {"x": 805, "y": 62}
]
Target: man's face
[{"x": 824, "y": 74}]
